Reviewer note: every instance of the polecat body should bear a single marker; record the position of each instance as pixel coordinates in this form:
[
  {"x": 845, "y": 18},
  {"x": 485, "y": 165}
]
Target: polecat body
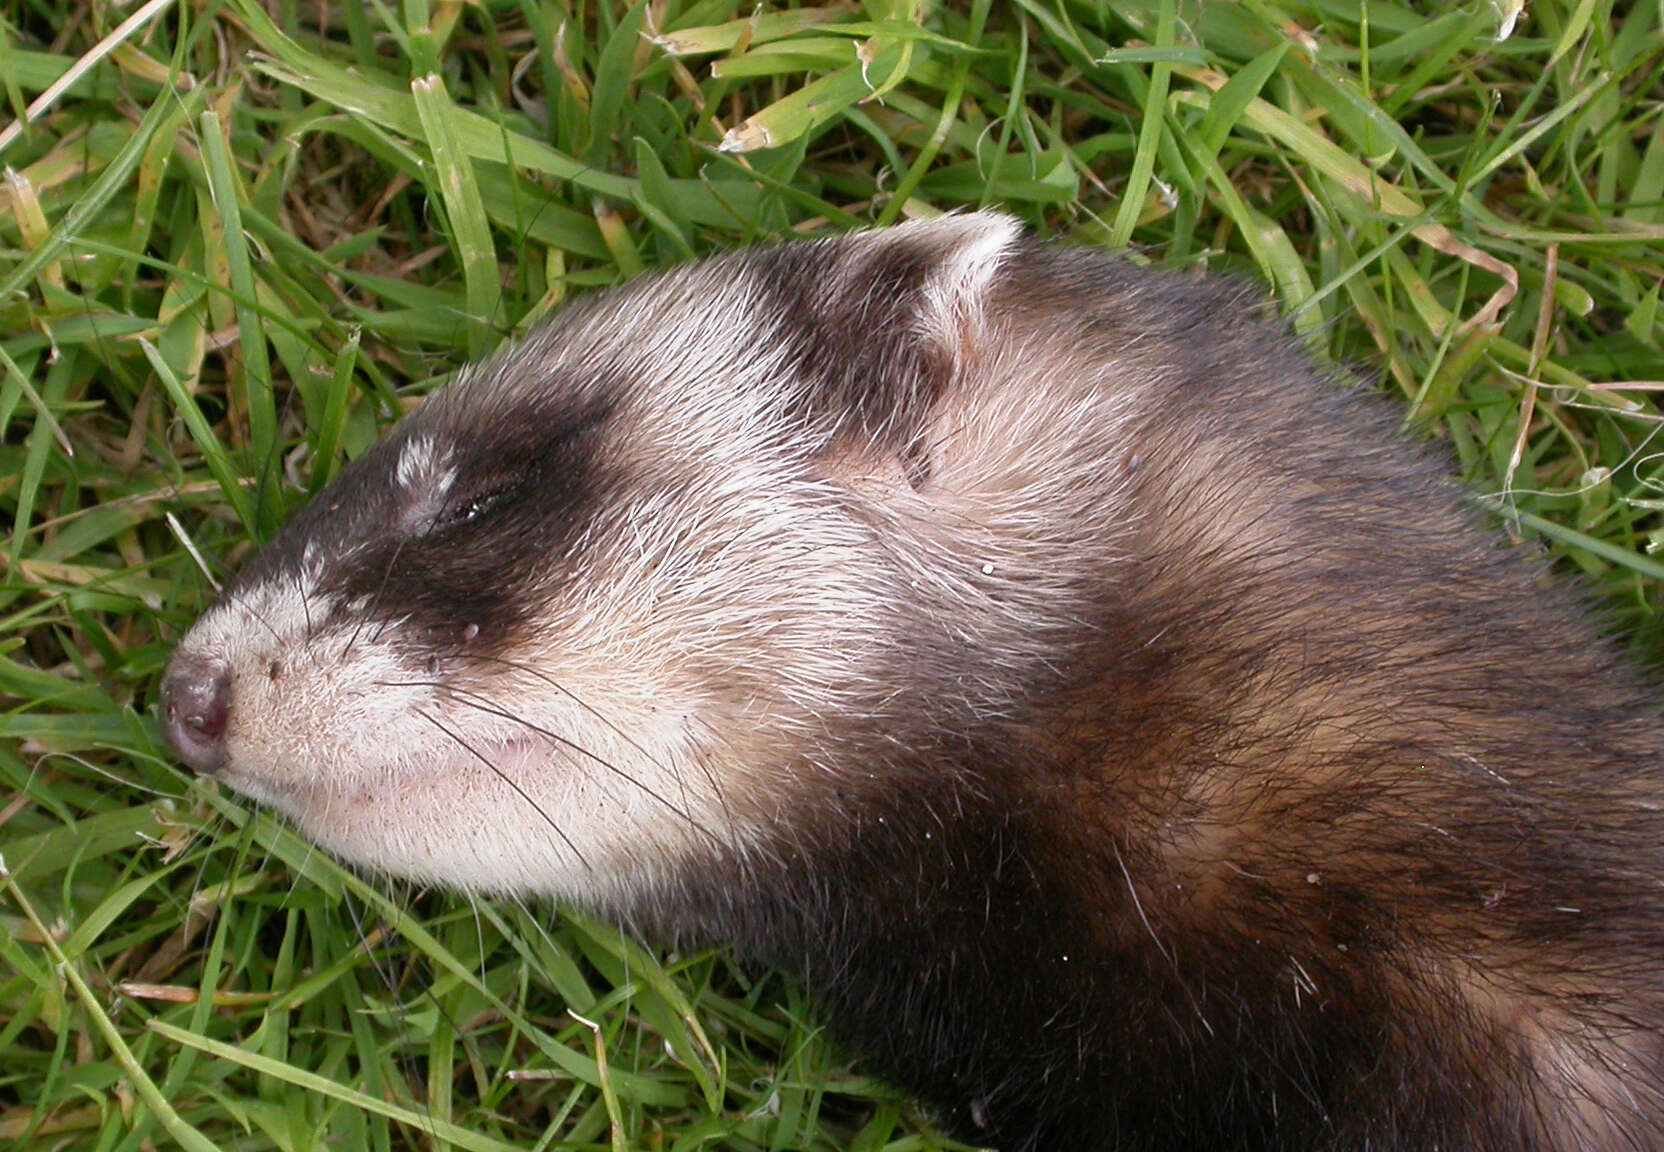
[{"x": 1131, "y": 741}]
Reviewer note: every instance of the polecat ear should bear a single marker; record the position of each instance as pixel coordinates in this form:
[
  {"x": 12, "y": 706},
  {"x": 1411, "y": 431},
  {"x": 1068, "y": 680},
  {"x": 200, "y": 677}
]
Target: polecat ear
[
  {"x": 960, "y": 255},
  {"x": 898, "y": 316}
]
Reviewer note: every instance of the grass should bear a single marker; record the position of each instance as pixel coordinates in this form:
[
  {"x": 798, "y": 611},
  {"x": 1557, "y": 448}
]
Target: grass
[{"x": 235, "y": 243}]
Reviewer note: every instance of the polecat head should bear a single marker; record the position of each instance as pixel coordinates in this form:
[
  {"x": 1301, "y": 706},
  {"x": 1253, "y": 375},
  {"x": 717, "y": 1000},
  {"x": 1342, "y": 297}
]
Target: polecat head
[{"x": 611, "y": 603}]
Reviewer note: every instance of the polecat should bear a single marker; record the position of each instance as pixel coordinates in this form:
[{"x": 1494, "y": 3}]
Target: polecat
[{"x": 1131, "y": 740}]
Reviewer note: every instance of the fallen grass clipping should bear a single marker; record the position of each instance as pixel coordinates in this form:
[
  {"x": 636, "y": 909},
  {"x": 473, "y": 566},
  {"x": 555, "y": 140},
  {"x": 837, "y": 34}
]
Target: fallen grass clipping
[{"x": 237, "y": 239}]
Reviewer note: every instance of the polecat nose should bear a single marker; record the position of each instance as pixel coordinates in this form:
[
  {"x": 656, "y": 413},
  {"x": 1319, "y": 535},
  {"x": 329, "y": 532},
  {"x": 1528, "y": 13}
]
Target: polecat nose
[{"x": 196, "y": 703}]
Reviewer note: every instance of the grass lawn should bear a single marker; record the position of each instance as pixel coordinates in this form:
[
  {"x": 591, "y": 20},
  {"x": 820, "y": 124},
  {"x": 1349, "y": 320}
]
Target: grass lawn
[{"x": 237, "y": 238}]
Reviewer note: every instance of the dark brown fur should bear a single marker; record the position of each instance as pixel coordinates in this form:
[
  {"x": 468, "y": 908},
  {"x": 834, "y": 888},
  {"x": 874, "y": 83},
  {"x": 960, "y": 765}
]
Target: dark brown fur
[{"x": 1331, "y": 828}]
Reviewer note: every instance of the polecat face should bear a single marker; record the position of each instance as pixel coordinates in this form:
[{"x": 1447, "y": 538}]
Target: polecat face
[{"x": 600, "y": 608}]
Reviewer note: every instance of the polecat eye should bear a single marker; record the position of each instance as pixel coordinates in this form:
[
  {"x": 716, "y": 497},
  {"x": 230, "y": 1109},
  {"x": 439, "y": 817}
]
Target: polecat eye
[{"x": 475, "y": 508}]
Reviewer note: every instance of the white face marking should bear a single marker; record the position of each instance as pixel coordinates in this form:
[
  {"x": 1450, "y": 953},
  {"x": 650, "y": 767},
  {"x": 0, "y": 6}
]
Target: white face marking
[
  {"x": 424, "y": 473},
  {"x": 423, "y": 466},
  {"x": 493, "y": 780}
]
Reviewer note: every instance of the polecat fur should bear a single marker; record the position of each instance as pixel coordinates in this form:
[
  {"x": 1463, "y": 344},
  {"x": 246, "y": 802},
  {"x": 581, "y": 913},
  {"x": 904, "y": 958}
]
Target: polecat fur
[{"x": 1131, "y": 740}]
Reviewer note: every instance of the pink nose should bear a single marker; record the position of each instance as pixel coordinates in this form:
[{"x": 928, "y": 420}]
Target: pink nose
[{"x": 196, "y": 703}]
